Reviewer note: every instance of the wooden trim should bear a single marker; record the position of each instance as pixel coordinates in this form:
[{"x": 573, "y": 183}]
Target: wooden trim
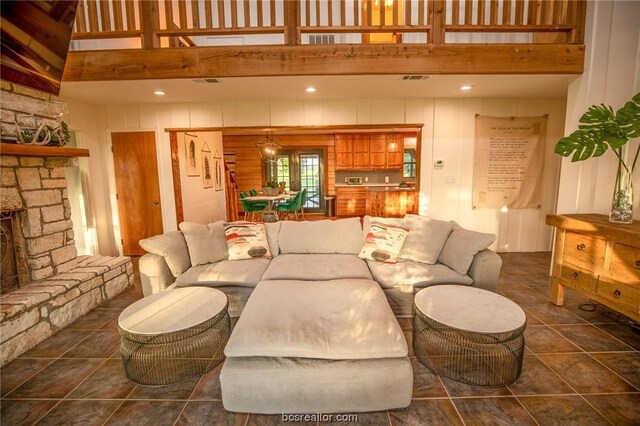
[
  {"x": 131, "y": 15},
  {"x": 328, "y": 129},
  {"x": 178, "y": 32},
  {"x": 175, "y": 169},
  {"x": 41, "y": 151},
  {"x": 81, "y": 20},
  {"x": 117, "y": 15},
  {"x": 506, "y": 28},
  {"x": 251, "y": 61},
  {"x": 369, "y": 29},
  {"x": 105, "y": 16},
  {"x": 106, "y": 35}
]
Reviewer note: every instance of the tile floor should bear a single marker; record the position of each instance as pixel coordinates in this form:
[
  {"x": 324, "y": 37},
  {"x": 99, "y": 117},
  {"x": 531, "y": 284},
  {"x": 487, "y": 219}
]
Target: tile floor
[{"x": 580, "y": 368}]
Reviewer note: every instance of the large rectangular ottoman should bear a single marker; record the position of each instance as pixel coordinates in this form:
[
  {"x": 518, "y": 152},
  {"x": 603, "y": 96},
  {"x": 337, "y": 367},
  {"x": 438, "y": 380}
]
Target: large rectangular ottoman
[{"x": 316, "y": 347}]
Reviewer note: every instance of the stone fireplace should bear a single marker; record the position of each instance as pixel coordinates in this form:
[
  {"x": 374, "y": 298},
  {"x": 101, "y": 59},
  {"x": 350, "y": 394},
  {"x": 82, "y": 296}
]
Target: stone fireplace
[{"x": 51, "y": 286}]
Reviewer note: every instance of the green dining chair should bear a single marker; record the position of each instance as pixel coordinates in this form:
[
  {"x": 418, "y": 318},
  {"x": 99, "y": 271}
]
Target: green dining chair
[
  {"x": 293, "y": 206},
  {"x": 253, "y": 192},
  {"x": 251, "y": 207}
]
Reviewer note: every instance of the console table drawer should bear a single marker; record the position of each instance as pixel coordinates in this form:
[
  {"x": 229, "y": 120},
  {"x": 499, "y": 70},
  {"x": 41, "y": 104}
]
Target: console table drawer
[
  {"x": 576, "y": 278},
  {"x": 625, "y": 263},
  {"x": 586, "y": 251},
  {"x": 622, "y": 295}
]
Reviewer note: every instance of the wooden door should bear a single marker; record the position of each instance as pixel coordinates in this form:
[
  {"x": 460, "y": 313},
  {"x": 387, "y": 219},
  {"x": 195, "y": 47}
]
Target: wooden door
[
  {"x": 378, "y": 151},
  {"x": 344, "y": 152},
  {"x": 360, "y": 152},
  {"x": 138, "y": 190}
]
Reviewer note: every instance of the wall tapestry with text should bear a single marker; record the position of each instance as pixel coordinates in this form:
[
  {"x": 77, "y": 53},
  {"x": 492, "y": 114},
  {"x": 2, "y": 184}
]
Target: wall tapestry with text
[{"x": 508, "y": 160}]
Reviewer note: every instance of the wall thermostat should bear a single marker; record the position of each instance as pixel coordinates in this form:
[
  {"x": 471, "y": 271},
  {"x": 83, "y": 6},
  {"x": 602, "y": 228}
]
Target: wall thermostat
[{"x": 438, "y": 164}]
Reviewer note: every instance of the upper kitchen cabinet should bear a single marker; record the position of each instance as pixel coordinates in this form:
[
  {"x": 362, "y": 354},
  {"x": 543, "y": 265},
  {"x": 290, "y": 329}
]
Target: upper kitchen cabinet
[
  {"x": 360, "y": 151},
  {"x": 372, "y": 151},
  {"x": 344, "y": 152}
]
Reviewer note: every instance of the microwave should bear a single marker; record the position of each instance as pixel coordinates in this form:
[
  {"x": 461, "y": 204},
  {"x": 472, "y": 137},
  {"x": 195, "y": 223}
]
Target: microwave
[{"x": 353, "y": 180}]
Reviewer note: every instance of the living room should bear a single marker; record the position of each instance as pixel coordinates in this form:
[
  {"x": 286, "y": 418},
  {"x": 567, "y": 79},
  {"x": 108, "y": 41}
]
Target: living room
[{"x": 279, "y": 104}]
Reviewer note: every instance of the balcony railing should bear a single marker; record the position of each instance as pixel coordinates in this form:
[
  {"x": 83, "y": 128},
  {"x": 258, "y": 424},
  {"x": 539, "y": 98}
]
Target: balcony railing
[{"x": 150, "y": 24}]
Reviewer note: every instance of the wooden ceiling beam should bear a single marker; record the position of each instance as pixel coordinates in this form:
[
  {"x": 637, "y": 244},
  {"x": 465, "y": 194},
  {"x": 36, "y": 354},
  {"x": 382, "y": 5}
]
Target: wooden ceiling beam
[{"x": 260, "y": 61}]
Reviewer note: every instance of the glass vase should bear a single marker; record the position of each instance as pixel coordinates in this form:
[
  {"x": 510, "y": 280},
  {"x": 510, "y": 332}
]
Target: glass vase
[{"x": 622, "y": 203}]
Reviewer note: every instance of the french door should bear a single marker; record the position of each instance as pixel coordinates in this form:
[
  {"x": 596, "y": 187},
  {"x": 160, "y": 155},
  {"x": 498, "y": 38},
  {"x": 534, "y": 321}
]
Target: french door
[{"x": 301, "y": 169}]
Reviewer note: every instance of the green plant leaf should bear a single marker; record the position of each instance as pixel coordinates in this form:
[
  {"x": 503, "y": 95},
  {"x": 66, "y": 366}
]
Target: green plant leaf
[
  {"x": 583, "y": 144},
  {"x": 628, "y": 117},
  {"x": 597, "y": 117}
]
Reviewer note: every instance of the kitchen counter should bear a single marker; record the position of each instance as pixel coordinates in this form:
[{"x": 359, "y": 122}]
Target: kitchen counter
[
  {"x": 390, "y": 189},
  {"x": 367, "y": 184}
]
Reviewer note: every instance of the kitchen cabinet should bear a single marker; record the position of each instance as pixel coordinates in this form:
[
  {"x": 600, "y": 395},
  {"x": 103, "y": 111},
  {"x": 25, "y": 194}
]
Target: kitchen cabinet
[
  {"x": 378, "y": 151},
  {"x": 361, "y": 151},
  {"x": 344, "y": 152},
  {"x": 390, "y": 202},
  {"x": 351, "y": 201},
  {"x": 598, "y": 259}
]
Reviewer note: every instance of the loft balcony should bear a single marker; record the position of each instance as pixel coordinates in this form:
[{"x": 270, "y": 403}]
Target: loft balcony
[{"x": 154, "y": 39}]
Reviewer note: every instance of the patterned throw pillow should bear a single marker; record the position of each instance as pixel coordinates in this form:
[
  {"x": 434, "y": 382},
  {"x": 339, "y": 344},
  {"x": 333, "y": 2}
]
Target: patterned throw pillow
[
  {"x": 383, "y": 242},
  {"x": 247, "y": 240}
]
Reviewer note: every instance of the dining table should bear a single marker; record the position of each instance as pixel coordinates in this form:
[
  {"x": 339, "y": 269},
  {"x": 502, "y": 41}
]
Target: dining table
[{"x": 269, "y": 214}]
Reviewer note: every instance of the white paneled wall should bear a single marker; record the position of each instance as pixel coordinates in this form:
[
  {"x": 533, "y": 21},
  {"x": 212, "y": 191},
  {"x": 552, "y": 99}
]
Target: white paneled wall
[{"x": 448, "y": 134}]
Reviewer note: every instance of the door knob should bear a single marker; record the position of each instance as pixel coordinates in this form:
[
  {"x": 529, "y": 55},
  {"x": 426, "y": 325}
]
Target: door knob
[
  {"x": 156, "y": 202},
  {"x": 581, "y": 247}
]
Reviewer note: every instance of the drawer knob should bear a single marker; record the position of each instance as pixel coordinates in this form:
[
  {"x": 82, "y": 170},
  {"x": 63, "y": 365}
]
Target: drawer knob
[
  {"x": 575, "y": 275},
  {"x": 637, "y": 264},
  {"x": 617, "y": 294},
  {"x": 580, "y": 247}
]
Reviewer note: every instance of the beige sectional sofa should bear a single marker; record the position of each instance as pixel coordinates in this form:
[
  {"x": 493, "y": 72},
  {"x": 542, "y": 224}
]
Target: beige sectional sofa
[
  {"x": 326, "y": 250},
  {"x": 319, "y": 333}
]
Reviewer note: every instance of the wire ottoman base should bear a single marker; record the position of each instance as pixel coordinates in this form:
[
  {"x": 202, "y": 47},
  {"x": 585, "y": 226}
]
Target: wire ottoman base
[
  {"x": 477, "y": 359},
  {"x": 171, "y": 357}
]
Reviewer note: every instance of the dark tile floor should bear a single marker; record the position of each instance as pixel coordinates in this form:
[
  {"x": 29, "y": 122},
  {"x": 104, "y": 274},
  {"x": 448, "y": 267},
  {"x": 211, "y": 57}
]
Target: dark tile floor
[{"x": 580, "y": 368}]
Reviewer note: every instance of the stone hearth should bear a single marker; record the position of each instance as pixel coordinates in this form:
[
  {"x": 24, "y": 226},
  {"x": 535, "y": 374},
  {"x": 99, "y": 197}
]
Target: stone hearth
[{"x": 55, "y": 285}]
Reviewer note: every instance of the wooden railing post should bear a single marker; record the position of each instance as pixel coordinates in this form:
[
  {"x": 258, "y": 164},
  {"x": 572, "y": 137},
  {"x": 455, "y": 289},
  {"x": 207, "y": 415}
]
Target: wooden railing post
[
  {"x": 292, "y": 20},
  {"x": 437, "y": 21},
  {"x": 577, "y": 34},
  {"x": 150, "y": 22}
]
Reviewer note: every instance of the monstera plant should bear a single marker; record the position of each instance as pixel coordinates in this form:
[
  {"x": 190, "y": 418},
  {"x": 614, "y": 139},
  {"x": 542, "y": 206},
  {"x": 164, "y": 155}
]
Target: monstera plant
[{"x": 601, "y": 130}]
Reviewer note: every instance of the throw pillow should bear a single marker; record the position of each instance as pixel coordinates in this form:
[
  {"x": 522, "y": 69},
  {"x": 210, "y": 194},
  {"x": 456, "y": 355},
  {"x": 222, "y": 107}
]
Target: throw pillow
[
  {"x": 247, "y": 241},
  {"x": 426, "y": 239},
  {"x": 383, "y": 242},
  {"x": 206, "y": 243},
  {"x": 461, "y": 247},
  {"x": 173, "y": 247}
]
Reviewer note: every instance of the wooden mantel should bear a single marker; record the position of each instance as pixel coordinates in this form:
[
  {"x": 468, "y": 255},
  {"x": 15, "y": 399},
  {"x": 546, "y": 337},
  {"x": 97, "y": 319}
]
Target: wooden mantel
[{"x": 41, "y": 151}]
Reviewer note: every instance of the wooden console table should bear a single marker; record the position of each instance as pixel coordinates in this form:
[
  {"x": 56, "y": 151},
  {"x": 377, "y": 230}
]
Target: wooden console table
[{"x": 598, "y": 259}]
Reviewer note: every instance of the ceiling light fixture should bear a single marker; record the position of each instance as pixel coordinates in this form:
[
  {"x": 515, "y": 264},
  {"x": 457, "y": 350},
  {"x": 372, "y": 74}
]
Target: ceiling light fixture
[
  {"x": 268, "y": 148},
  {"x": 466, "y": 87},
  {"x": 158, "y": 93},
  {"x": 310, "y": 89}
]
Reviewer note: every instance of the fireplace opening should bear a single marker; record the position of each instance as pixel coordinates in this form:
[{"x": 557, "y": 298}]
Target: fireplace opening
[{"x": 13, "y": 264}]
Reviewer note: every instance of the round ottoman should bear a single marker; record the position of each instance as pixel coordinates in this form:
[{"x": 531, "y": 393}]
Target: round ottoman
[
  {"x": 469, "y": 335},
  {"x": 174, "y": 335}
]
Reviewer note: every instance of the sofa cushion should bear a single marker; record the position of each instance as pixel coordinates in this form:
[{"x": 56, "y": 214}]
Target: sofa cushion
[
  {"x": 273, "y": 232},
  {"x": 461, "y": 247},
  {"x": 426, "y": 236},
  {"x": 383, "y": 243},
  {"x": 312, "y": 267},
  {"x": 409, "y": 274},
  {"x": 206, "y": 243},
  {"x": 172, "y": 247},
  {"x": 247, "y": 241},
  {"x": 338, "y": 319},
  {"x": 342, "y": 236},
  {"x": 245, "y": 273}
]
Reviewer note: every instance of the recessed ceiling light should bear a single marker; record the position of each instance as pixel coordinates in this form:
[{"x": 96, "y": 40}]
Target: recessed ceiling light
[
  {"x": 310, "y": 89},
  {"x": 158, "y": 92},
  {"x": 466, "y": 87}
]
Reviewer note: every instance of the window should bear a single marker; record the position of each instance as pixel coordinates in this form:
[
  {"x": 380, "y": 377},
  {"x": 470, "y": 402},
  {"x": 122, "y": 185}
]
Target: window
[
  {"x": 409, "y": 166},
  {"x": 280, "y": 170}
]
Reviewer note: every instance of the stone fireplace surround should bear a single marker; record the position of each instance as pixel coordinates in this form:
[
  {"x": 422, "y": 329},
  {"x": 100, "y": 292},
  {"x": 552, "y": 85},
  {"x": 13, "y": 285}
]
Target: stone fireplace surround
[{"x": 56, "y": 285}]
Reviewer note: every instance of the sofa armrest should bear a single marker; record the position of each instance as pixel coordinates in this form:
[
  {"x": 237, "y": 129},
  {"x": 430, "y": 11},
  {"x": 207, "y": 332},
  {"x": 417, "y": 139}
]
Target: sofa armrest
[
  {"x": 485, "y": 270},
  {"x": 155, "y": 275}
]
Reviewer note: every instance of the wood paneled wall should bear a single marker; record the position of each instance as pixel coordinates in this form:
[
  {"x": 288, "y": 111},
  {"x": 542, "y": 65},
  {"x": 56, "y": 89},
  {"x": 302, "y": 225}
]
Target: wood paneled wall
[{"x": 250, "y": 171}]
